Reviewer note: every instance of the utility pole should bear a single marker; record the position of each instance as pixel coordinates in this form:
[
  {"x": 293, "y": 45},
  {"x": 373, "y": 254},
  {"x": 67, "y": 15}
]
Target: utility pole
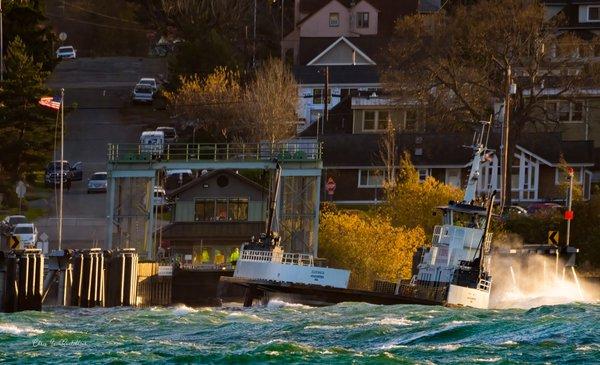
[
  {"x": 569, "y": 212},
  {"x": 325, "y": 101},
  {"x": 62, "y": 157},
  {"x": 282, "y": 7},
  {"x": 505, "y": 160},
  {"x": 1, "y": 45},
  {"x": 254, "y": 38}
]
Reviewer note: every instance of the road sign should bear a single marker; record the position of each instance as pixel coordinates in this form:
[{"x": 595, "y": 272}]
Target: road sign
[
  {"x": 62, "y": 36},
  {"x": 553, "y": 238},
  {"x": 44, "y": 237},
  {"x": 165, "y": 270},
  {"x": 569, "y": 215},
  {"x": 15, "y": 243},
  {"x": 21, "y": 189},
  {"x": 330, "y": 186}
]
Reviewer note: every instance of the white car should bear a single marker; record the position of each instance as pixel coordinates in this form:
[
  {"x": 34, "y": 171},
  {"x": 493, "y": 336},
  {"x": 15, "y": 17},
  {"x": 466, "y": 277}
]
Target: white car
[
  {"x": 160, "y": 197},
  {"x": 149, "y": 81},
  {"x": 13, "y": 220},
  {"x": 98, "y": 183},
  {"x": 26, "y": 233},
  {"x": 142, "y": 94},
  {"x": 66, "y": 52}
]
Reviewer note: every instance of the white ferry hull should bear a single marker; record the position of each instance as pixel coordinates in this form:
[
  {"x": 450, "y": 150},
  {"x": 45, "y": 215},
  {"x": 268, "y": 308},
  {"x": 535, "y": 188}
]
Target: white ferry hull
[
  {"x": 278, "y": 272},
  {"x": 468, "y": 297}
]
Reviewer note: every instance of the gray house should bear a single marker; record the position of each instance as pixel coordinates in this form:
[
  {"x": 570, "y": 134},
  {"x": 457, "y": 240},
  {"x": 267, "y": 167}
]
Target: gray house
[{"x": 212, "y": 216}]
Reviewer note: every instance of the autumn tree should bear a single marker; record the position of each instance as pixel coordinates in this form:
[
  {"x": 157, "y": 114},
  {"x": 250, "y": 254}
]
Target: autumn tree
[
  {"x": 271, "y": 99},
  {"x": 211, "y": 103},
  {"x": 457, "y": 62},
  {"x": 411, "y": 203},
  {"x": 369, "y": 246},
  {"x": 263, "y": 109}
]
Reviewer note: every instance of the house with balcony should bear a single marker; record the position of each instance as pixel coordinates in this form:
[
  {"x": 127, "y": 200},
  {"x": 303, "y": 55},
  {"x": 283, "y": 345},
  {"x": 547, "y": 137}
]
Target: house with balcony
[
  {"x": 353, "y": 158},
  {"x": 212, "y": 216},
  {"x": 341, "y": 39}
]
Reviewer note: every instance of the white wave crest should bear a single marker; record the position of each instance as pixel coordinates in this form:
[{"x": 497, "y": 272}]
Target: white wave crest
[
  {"x": 182, "y": 310},
  {"x": 19, "y": 330},
  {"x": 276, "y": 303}
]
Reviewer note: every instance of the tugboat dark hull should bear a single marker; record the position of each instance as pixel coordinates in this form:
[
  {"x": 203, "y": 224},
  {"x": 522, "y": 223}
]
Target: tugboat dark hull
[{"x": 314, "y": 295}]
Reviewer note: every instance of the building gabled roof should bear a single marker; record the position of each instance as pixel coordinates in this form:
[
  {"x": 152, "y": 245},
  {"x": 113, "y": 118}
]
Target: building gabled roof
[
  {"x": 447, "y": 149},
  {"x": 360, "y": 74},
  {"x": 212, "y": 174},
  {"x": 341, "y": 40}
]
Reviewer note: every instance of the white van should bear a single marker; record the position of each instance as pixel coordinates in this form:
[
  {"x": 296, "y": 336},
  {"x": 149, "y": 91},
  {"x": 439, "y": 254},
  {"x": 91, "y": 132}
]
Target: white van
[{"x": 152, "y": 142}]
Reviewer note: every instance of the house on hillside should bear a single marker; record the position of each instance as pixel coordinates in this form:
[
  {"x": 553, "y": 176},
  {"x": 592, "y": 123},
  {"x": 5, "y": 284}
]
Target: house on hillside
[
  {"x": 346, "y": 37},
  {"x": 212, "y": 216},
  {"x": 352, "y": 155}
]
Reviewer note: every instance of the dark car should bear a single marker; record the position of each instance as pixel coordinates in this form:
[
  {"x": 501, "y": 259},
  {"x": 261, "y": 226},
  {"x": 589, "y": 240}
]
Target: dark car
[
  {"x": 543, "y": 208},
  {"x": 70, "y": 173}
]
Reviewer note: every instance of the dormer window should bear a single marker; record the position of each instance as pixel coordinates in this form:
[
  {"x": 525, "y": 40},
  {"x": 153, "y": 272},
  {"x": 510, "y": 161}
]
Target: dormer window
[
  {"x": 362, "y": 20},
  {"x": 334, "y": 19},
  {"x": 594, "y": 13}
]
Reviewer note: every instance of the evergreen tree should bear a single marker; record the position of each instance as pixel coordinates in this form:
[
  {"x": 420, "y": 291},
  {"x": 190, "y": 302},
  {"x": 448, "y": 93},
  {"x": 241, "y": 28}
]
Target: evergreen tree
[
  {"x": 25, "y": 19},
  {"x": 25, "y": 126}
]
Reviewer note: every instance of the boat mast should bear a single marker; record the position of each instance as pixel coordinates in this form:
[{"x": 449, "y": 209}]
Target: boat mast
[
  {"x": 478, "y": 156},
  {"x": 273, "y": 200}
]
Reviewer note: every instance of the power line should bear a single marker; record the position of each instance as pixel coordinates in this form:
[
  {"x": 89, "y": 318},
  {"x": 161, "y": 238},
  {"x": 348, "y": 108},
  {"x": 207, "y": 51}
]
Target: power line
[
  {"x": 97, "y": 24},
  {"x": 101, "y": 14}
]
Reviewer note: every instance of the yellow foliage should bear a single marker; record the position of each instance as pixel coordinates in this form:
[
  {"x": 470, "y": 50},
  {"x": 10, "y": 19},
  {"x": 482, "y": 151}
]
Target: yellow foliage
[
  {"x": 411, "y": 203},
  {"x": 368, "y": 246}
]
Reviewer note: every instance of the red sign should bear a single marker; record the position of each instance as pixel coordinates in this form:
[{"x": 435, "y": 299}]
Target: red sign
[
  {"x": 330, "y": 186},
  {"x": 570, "y": 171},
  {"x": 569, "y": 215}
]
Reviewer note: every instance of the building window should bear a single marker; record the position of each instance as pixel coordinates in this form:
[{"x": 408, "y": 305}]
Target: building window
[
  {"x": 362, "y": 20},
  {"x": 423, "y": 174},
  {"x": 593, "y": 13},
  {"x": 410, "y": 120},
  {"x": 334, "y": 19},
  {"x": 561, "y": 176},
  {"x": 375, "y": 120},
  {"x": 371, "y": 178},
  {"x": 565, "y": 111},
  {"x": 318, "y": 96},
  {"x": 232, "y": 209}
]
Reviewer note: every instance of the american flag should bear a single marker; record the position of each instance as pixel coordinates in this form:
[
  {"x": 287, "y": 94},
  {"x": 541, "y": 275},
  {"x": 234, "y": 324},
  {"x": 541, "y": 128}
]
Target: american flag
[{"x": 50, "y": 102}]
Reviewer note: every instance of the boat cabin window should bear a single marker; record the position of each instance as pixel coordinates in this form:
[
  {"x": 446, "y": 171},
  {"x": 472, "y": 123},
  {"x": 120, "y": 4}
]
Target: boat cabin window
[{"x": 461, "y": 219}]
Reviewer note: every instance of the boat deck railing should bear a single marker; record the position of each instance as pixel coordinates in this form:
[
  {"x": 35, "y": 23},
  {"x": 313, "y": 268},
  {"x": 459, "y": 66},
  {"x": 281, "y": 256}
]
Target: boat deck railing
[
  {"x": 299, "y": 150},
  {"x": 432, "y": 293},
  {"x": 286, "y": 258}
]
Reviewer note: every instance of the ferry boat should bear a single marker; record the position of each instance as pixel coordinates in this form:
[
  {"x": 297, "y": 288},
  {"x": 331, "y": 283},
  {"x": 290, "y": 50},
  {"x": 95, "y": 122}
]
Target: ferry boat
[{"x": 452, "y": 271}]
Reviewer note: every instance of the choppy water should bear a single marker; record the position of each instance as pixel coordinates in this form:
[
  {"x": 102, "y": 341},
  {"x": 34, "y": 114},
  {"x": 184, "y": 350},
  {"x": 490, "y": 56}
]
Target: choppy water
[{"x": 284, "y": 333}]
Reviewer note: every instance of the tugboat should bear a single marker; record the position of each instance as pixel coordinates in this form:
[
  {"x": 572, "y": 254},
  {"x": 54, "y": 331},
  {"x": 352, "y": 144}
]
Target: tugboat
[{"x": 452, "y": 271}]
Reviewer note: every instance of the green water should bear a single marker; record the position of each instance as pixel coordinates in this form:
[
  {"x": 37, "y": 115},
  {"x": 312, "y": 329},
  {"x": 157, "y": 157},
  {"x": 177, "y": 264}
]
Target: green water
[{"x": 284, "y": 333}]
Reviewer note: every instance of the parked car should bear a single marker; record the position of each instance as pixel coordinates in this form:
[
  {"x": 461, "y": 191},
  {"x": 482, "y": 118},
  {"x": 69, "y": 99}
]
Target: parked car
[
  {"x": 159, "y": 198},
  {"x": 26, "y": 233},
  {"x": 10, "y": 221},
  {"x": 149, "y": 81},
  {"x": 97, "y": 183},
  {"x": 142, "y": 94},
  {"x": 514, "y": 211},
  {"x": 66, "y": 52},
  {"x": 543, "y": 207},
  {"x": 152, "y": 143},
  {"x": 177, "y": 178},
  {"x": 170, "y": 134},
  {"x": 53, "y": 169}
]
